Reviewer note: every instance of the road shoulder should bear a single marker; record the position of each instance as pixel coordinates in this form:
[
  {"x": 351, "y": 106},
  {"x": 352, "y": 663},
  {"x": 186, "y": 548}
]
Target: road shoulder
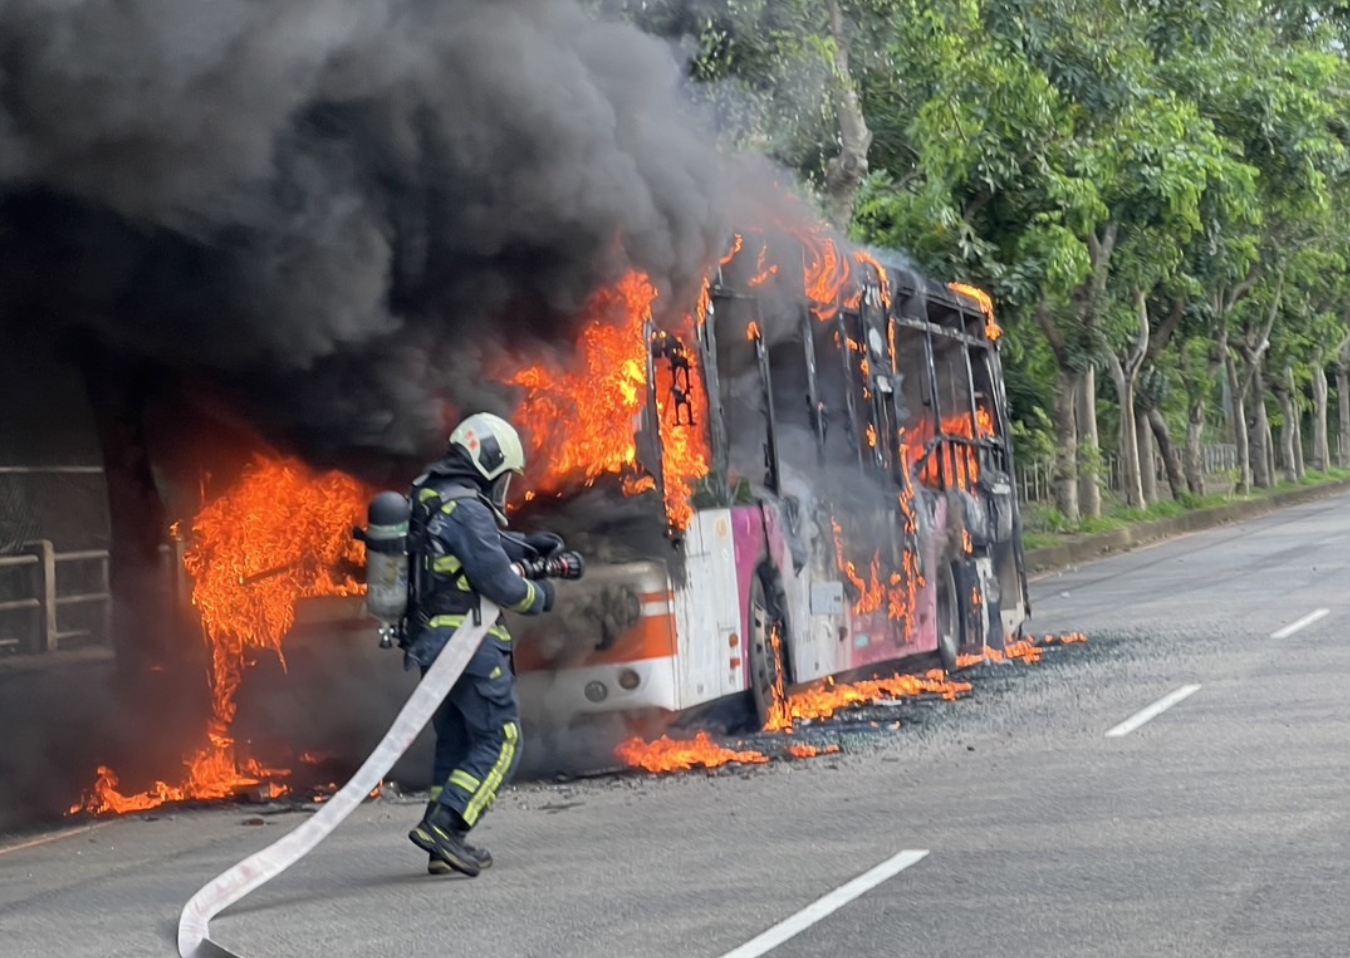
[{"x": 1075, "y": 550}]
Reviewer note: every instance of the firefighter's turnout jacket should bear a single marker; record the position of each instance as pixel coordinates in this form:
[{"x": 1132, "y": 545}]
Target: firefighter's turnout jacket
[{"x": 462, "y": 556}]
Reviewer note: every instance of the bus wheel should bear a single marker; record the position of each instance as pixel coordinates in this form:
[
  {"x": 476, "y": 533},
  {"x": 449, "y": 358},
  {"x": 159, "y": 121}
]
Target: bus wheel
[
  {"x": 948, "y": 620},
  {"x": 768, "y": 632}
]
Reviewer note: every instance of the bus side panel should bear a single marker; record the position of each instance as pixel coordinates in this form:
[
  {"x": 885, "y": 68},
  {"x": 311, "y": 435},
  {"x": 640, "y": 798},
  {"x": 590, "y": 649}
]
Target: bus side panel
[
  {"x": 709, "y": 615},
  {"x": 925, "y": 619},
  {"x": 813, "y": 646},
  {"x": 751, "y": 548},
  {"x": 876, "y": 637}
]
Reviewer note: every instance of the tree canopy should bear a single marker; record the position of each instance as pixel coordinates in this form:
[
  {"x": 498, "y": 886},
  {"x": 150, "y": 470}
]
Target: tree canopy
[{"x": 1153, "y": 189}]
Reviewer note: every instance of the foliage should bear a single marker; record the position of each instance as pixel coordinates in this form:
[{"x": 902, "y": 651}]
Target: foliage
[{"x": 1072, "y": 156}]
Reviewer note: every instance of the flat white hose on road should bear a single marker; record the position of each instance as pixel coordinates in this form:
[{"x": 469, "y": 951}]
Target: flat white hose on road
[{"x": 194, "y": 931}]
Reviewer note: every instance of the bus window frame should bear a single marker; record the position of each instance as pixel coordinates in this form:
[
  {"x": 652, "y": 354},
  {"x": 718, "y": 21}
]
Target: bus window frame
[
  {"x": 648, "y": 440},
  {"x": 718, "y": 475},
  {"x": 773, "y": 478},
  {"x": 805, "y": 324},
  {"x": 919, "y": 295},
  {"x": 720, "y": 437}
]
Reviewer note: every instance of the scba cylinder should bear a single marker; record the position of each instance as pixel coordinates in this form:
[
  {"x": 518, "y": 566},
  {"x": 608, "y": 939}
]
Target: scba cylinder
[{"x": 386, "y": 539}]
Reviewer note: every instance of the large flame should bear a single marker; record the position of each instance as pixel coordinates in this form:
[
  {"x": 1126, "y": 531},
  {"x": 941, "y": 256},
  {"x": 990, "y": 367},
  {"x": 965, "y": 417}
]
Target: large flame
[
  {"x": 582, "y": 418},
  {"x": 669, "y": 755},
  {"x": 280, "y": 534}
]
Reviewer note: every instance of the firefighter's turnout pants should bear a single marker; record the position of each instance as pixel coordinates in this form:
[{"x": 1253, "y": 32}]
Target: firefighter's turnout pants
[{"x": 477, "y": 734}]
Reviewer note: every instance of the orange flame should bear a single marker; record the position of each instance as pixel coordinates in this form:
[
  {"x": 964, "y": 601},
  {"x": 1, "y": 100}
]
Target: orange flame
[
  {"x": 810, "y": 751},
  {"x": 779, "y": 719},
  {"x": 582, "y": 421},
  {"x": 897, "y": 592},
  {"x": 736, "y": 246},
  {"x": 668, "y": 755},
  {"x": 823, "y": 701},
  {"x": 960, "y": 463},
  {"x": 826, "y": 269},
  {"x": 280, "y": 534},
  {"x": 883, "y": 279},
  {"x": 992, "y": 330},
  {"x": 1028, "y": 650},
  {"x": 766, "y": 269}
]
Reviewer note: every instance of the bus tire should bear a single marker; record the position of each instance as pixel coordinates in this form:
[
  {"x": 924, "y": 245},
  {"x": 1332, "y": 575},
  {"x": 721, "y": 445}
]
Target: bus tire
[
  {"x": 767, "y": 661},
  {"x": 949, "y": 620}
]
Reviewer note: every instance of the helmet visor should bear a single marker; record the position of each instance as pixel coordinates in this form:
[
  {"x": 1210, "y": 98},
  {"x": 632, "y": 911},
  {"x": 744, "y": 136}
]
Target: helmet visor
[{"x": 501, "y": 488}]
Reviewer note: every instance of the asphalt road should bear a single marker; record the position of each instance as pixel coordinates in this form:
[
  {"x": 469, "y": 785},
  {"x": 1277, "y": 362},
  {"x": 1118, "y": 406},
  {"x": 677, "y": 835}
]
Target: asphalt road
[{"x": 1221, "y": 827}]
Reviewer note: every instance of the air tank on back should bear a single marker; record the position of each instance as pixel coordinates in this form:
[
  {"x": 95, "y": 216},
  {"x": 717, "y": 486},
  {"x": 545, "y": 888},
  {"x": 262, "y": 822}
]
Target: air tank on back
[{"x": 386, "y": 539}]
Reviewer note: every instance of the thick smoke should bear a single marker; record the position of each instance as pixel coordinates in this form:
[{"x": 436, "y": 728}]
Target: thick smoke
[{"x": 342, "y": 212}]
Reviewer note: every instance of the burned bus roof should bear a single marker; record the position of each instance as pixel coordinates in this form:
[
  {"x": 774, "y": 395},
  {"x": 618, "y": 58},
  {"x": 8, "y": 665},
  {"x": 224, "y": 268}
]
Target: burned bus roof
[{"x": 912, "y": 283}]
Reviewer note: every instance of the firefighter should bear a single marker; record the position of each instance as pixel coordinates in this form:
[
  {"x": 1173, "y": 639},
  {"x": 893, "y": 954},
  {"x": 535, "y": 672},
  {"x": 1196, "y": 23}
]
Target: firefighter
[{"x": 458, "y": 552}]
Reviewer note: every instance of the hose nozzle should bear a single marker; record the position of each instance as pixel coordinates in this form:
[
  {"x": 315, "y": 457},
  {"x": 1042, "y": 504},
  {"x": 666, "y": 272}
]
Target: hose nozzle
[{"x": 563, "y": 565}]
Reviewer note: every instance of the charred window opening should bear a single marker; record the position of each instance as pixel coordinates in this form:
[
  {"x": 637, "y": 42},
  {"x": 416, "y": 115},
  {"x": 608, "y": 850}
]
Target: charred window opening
[{"x": 745, "y": 399}]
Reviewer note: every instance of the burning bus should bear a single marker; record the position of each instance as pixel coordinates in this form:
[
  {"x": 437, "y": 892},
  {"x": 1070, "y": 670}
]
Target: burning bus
[
  {"x": 804, "y": 474},
  {"x": 819, "y": 482}
]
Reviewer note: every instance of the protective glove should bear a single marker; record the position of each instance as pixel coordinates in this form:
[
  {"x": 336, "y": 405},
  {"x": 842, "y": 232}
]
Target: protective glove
[
  {"x": 545, "y": 543},
  {"x": 546, "y": 587}
]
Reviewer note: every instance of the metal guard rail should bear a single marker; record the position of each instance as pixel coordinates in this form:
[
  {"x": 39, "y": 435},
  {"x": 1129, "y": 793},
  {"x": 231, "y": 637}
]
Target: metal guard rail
[{"x": 46, "y": 635}]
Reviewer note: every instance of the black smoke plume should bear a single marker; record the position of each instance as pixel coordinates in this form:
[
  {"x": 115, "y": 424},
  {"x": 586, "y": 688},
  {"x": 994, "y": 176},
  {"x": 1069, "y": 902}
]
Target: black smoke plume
[{"x": 341, "y": 214}]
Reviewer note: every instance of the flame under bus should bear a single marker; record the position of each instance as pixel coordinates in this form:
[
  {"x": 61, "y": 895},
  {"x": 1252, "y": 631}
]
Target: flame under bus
[{"x": 858, "y": 509}]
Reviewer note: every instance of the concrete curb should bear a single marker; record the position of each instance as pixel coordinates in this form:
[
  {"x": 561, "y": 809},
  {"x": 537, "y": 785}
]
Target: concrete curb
[{"x": 1078, "y": 549}]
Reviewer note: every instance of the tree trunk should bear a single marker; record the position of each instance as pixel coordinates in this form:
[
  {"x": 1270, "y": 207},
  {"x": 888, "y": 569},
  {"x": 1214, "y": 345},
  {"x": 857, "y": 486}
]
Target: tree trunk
[
  {"x": 1089, "y": 448},
  {"x": 1125, "y": 373},
  {"x": 1195, "y": 434},
  {"x": 1198, "y": 391},
  {"x": 845, "y": 172},
  {"x": 1148, "y": 463},
  {"x": 1066, "y": 431},
  {"x": 1127, "y": 442},
  {"x": 1168, "y": 452},
  {"x": 1321, "y": 450},
  {"x": 1300, "y": 470},
  {"x": 1239, "y": 426},
  {"x": 1286, "y": 401},
  {"x": 1261, "y": 441},
  {"x": 1343, "y": 411}
]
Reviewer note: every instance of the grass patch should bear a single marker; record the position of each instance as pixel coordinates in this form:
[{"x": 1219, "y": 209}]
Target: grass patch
[{"x": 1045, "y": 526}]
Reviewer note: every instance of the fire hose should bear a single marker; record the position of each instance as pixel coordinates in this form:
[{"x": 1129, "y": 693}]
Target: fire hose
[{"x": 194, "y": 926}]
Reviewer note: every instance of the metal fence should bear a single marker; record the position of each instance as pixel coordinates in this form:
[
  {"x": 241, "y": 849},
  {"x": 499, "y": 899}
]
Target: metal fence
[
  {"x": 33, "y": 622},
  {"x": 54, "y": 558},
  {"x": 1036, "y": 477}
]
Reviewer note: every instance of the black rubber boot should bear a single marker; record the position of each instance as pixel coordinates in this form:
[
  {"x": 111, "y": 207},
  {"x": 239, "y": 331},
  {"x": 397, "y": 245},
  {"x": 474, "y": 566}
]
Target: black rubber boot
[
  {"x": 437, "y": 867},
  {"x": 441, "y": 834}
]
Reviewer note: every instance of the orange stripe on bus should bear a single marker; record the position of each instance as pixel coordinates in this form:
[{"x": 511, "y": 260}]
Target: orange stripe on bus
[{"x": 653, "y": 637}]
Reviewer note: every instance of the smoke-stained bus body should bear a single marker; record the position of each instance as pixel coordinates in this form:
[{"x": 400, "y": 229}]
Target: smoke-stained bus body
[{"x": 858, "y": 508}]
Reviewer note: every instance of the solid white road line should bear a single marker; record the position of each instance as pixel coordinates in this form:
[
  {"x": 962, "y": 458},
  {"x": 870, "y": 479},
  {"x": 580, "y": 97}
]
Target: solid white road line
[
  {"x": 1153, "y": 711},
  {"x": 52, "y": 837},
  {"x": 828, "y": 905},
  {"x": 1302, "y": 623}
]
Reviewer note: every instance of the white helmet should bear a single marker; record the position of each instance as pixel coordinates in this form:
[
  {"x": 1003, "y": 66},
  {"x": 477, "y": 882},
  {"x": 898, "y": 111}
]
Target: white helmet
[{"x": 493, "y": 446}]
